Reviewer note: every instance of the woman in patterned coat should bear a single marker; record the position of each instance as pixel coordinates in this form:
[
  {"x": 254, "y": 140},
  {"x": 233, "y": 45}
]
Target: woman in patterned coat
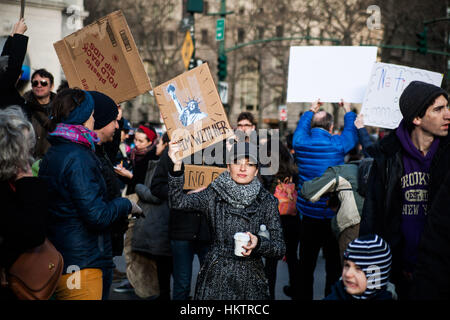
[{"x": 234, "y": 202}]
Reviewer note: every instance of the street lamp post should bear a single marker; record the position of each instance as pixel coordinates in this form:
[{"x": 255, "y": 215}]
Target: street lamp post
[
  {"x": 221, "y": 54},
  {"x": 193, "y": 6},
  {"x": 192, "y": 31}
]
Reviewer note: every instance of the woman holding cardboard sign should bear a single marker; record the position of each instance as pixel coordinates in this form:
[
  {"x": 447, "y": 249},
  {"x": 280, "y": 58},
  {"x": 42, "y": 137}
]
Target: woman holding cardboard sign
[{"x": 235, "y": 205}]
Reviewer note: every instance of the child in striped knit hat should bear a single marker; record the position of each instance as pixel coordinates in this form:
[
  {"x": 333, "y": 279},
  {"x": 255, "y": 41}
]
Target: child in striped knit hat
[{"x": 365, "y": 275}]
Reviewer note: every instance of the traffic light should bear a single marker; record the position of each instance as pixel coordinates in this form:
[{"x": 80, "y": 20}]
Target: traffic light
[
  {"x": 422, "y": 42},
  {"x": 222, "y": 67}
]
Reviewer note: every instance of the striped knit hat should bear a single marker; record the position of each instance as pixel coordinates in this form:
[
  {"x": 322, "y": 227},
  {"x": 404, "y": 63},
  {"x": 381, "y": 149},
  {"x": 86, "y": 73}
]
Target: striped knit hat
[{"x": 373, "y": 255}]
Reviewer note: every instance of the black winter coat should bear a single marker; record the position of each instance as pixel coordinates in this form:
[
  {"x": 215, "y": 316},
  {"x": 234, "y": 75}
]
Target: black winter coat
[
  {"x": 432, "y": 277},
  {"x": 120, "y": 226},
  {"x": 151, "y": 234},
  {"x": 140, "y": 165},
  {"x": 183, "y": 224},
  {"x": 23, "y": 220},
  {"x": 15, "y": 48},
  {"x": 41, "y": 123},
  {"x": 383, "y": 203}
]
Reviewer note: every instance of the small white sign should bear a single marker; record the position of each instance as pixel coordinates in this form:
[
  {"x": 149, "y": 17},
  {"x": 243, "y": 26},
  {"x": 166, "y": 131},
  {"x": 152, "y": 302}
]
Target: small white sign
[
  {"x": 330, "y": 73},
  {"x": 386, "y": 84},
  {"x": 223, "y": 91}
]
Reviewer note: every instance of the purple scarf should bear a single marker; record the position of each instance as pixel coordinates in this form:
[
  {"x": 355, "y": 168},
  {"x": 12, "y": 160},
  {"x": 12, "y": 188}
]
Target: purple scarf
[{"x": 76, "y": 133}]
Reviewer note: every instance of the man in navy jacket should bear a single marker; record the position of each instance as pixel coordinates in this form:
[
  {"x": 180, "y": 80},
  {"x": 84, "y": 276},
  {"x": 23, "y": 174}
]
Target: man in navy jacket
[{"x": 316, "y": 149}]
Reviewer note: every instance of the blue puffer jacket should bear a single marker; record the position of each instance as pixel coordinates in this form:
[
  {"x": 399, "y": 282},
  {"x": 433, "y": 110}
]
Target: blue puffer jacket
[
  {"x": 315, "y": 151},
  {"x": 79, "y": 214}
]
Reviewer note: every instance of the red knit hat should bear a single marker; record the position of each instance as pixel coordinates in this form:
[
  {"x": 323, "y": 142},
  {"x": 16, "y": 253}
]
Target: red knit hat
[{"x": 151, "y": 134}]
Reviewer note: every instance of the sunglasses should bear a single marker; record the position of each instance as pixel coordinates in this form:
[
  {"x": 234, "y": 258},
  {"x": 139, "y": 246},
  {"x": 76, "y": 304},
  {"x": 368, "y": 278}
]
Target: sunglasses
[{"x": 35, "y": 83}]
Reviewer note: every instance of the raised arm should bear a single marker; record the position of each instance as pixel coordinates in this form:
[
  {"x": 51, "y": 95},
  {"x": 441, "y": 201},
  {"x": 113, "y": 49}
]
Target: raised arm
[
  {"x": 304, "y": 125},
  {"x": 349, "y": 136},
  {"x": 15, "y": 48},
  {"x": 363, "y": 135},
  {"x": 171, "y": 91},
  {"x": 194, "y": 200}
]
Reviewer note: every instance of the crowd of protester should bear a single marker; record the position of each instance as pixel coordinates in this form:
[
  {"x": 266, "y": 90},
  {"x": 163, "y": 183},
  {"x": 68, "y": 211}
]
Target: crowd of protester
[{"x": 74, "y": 171}]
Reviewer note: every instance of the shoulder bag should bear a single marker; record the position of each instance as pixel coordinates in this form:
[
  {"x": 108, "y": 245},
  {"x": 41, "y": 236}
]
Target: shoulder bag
[{"x": 35, "y": 274}]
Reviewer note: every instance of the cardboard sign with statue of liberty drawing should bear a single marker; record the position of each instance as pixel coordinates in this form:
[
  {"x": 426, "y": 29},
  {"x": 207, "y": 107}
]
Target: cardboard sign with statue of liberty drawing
[{"x": 192, "y": 111}]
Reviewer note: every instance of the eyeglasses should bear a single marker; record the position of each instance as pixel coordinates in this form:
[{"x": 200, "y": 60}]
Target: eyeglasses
[
  {"x": 35, "y": 83},
  {"x": 245, "y": 125}
]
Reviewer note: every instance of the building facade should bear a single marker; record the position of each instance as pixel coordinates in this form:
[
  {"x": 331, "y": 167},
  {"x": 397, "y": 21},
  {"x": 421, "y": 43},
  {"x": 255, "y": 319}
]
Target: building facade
[{"x": 258, "y": 36}]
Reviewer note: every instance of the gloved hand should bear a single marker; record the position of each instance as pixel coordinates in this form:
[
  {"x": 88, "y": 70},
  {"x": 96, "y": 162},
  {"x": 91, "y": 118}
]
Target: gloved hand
[{"x": 136, "y": 211}]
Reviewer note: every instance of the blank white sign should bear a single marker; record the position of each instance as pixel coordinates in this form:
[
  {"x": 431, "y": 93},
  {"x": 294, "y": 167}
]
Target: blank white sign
[
  {"x": 387, "y": 82},
  {"x": 330, "y": 73}
]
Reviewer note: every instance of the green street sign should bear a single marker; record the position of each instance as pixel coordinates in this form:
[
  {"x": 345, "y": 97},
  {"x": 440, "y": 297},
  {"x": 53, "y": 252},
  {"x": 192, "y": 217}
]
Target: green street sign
[{"x": 220, "y": 29}]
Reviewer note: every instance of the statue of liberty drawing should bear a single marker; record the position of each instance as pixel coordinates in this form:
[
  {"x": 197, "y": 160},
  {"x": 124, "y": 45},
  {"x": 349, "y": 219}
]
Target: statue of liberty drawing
[{"x": 188, "y": 114}]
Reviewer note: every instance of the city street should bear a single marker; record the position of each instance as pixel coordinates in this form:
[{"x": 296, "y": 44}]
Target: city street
[{"x": 282, "y": 280}]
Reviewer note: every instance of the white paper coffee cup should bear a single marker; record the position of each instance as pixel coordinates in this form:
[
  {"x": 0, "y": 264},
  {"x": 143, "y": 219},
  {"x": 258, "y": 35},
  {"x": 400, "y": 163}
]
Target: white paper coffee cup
[{"x": 240, "y": 239}]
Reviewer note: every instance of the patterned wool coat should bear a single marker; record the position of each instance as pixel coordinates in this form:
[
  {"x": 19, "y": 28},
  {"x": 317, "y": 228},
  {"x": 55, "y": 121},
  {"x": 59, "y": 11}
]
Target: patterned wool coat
[{"x": 223, "y": 275}]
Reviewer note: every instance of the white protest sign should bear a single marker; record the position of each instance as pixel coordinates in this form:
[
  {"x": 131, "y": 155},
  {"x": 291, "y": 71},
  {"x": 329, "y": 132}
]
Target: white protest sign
[
  {"x": 330, "y": 73},
  {"x": 387, "y": 82}
]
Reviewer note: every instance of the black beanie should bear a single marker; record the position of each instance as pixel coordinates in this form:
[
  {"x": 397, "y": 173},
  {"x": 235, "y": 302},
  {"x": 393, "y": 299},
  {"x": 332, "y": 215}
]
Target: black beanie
[
  {"x": 418, "y": 96},
  {"x": 105, "y": 109}
]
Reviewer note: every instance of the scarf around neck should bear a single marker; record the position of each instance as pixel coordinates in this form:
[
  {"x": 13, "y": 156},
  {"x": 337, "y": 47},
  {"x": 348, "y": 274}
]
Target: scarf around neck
[
  {"x": 237, "y": 195},
  {"x": 77, "y": 134},
  {"x": 136, "y": 154}
]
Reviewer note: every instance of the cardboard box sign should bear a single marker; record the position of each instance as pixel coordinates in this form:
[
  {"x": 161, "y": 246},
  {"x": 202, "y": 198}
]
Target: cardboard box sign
[
  {"x": 103, "y": 57},
  {"x": 192, "y": 111},
  {"x": 200, "y": 176}
]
